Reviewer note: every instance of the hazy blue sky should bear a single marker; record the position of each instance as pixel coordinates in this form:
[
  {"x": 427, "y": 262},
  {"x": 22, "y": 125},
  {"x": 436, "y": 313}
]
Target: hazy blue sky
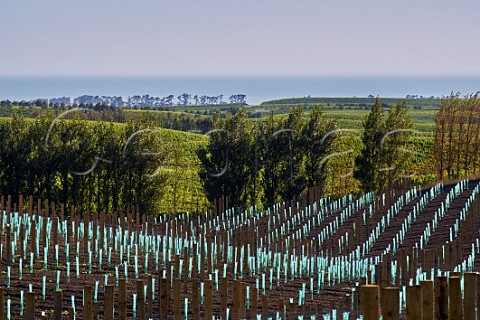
[{"x": 239, "y": 37}]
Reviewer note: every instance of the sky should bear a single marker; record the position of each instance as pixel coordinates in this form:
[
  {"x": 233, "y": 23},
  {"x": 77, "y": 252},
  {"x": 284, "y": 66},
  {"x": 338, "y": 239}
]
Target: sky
[{"x": 239, "y": 38}]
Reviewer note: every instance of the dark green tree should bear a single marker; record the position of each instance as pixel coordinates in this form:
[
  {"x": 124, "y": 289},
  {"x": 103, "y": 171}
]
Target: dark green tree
[
  {"x": 272, "y": 154},
  {"x": 293, "y": 173},
  {"x": 369, "y": 162},
  {"x": 227, "y": 162},
  {"x": 396, "y": 157},
  {"x": 383, "y": 159},
  {"x": 319, "y": 137}
]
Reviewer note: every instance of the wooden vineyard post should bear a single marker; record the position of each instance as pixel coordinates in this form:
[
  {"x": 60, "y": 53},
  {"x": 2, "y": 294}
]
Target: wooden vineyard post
[
  {"x": 427, "y": 299},
  {"x": 55, "y": 230},
  {"x": 414, "y": 302},
  {"x": 176, "y": 299},
  {"x": 208, "y": 299},
  {"x": 194, "y": 261},
  {"x": 71, "y": 313},
  {"x": 108, "y": 304},
  {"x": 149, "y": 297},
  {"x": 243, "y": 301},
  {"x": 224, "y": 297},
  {"x": 264, "y": 307},
  {"x": 209, "y": 255},
  {"x": 176, "y": 269},
  {"x": 470, "y": 295},
  {"x": 140, "y": 300},
  {"x": 85, "y": 236},
  {"x": 253, "y": 303},
  {"x": 390, "y": 301},
  {"x": 340, "y": 304},
  {"x": 122, "y": 299},
  {"x": 370, "y": 302},
  {"x": 195, "y": 300},
  {"x": 137, "y": 220},
  {"x": 455, "y": 296},
  {"x": 168, "y": 274},
  {"x": 87, "y": 296},
  {"x": 57, "y": 307},
  {"x": 291, "y": 310},
  {"x": 20, "y": 205},
  {"x": 237, "y": 300},
  {"x": 9, "y": 208},
  {"x": 478, "y": 294},
  {"x": 455, "y": 274},
  {"x": 3, "y": 314},
  {"x": 202, "y": 261},
  {"x": 185, "y": 270},
  {"x": 385, "y": 276},
  {"x": 29, "y": 313},
  {"x": 441, "y": 298},
  {"x": 163, "y": 298},
  {"x": 95, "y": 309}
]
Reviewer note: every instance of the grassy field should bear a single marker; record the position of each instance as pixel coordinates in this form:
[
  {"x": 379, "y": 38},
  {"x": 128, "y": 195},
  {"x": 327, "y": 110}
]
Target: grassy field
[
  {"x": 349, "y": 112},
  {"x": 184, "y": 190},
  {"x": 424, "y": 103},
  {"x": 352, "y": 119},
  {"x": 423, "y": 120}
]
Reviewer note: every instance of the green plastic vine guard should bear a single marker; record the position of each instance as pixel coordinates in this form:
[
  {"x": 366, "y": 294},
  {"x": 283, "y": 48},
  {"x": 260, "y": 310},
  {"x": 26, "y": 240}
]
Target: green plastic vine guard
[
  {"x": 8, "y": 276},
  {"x": 44, "y": 286},
  {"x": 20, "y": 269}
]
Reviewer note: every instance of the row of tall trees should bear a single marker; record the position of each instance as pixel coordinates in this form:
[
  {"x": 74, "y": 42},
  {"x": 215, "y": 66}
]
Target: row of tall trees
[
  {"x": 384, "y": 157},
  {"x": 264, "y": 162},
  {"x": 99, "y": 165},
  {"x": 457, "y": 136}
]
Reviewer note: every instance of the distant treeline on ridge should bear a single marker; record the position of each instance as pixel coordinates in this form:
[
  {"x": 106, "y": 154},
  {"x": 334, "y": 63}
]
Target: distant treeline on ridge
[{"x": 140, "y": 101}]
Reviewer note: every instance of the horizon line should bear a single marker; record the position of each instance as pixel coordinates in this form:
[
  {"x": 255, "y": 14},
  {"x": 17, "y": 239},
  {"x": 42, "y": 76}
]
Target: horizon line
[{"x": 259, "y": 76}]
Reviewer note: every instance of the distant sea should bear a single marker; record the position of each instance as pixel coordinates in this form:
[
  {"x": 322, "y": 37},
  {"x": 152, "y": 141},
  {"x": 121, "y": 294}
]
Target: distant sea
[{"x": 257, "y": 89}]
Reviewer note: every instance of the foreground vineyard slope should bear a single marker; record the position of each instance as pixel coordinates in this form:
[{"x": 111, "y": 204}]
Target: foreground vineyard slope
[{"x": 308, "y": 257}]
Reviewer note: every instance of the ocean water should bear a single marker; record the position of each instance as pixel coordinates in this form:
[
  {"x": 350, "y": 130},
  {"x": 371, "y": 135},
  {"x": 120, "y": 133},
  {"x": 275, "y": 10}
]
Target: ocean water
[{"x": 257, "y": 89}]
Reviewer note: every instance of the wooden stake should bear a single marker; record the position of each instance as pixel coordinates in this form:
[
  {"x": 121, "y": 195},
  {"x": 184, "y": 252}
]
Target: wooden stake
[
  {"x": 87, "y": 296},
  {"x": 224, "y": 297},
  {"x": 470, "y": 295},
  {"x": 163, "y": 298},
  {"x": 253, "y": 302},
  {"x": 208, "y": 299},
  {"x": 264, "y": 307},
  {"x": 414, "y": 302},
  {"x": 390, "y": 301},
  {"x": 109, "y": 303},
  {"x": 441, "y": 298},
  {"x": 478, "y": 294},
  {"x": 29, "y": 313},
  {"x": 71, "y": 313},
  {"x": 122, "y": 299},
  {"x": 455, "y": 295},
  {"x": 149, "y": 297},
  {"x": 177, "y": 301},
  {"x": 243, "y": 301},
  {"x": 370, "y": 301},
  {"x": 96, "y": 307},
  {"x": 140, "y": 300},
  {"x": 195, "y": 300},
  {"x": 3, "y": 314},
  {"x": 427, "y": 299}
]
